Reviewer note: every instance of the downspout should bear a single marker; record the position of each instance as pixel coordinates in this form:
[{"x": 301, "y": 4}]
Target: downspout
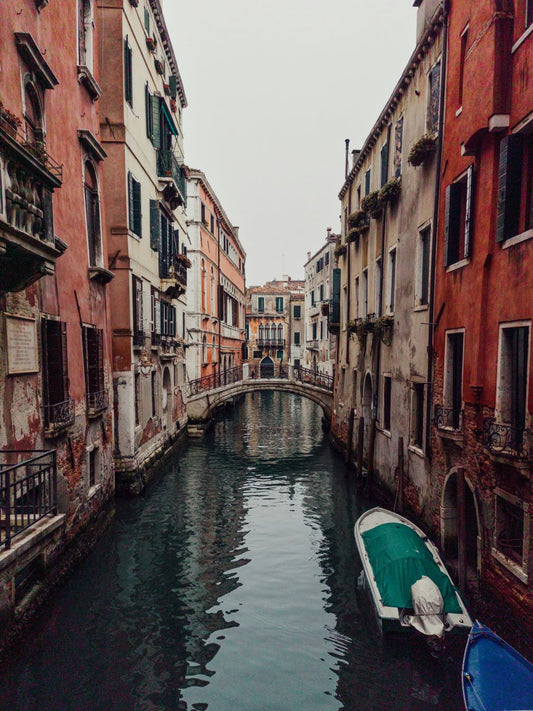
[
  {"x": 434, "y": 236},
  {"x": 220, "y": 305}
]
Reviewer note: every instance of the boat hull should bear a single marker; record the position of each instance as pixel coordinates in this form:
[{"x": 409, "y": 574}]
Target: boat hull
[{"x": 495, "y": 676}]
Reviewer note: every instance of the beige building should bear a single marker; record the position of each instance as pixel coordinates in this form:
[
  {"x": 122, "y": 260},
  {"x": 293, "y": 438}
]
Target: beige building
[
  {"x": 144, "y": 182},
  {"x": 385, "y": 255}
]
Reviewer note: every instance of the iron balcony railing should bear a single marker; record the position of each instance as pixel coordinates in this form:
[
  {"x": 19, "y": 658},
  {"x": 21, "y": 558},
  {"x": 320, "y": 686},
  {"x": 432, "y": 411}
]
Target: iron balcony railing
[
  {"x": 168, "y": 166},
  {"x": 274, "y": 342},
  {"x": 504, "y": 439},
  {"x": 28, "y": 490},
  {"x": 59, "y": 414},
  {"x": 97, "y": 401},
  {"x": 312, "y": 345},
  {"x": 216, "y": 380},
  {"x": 314, "y": 377},
  {"x": 447, "y": 418}
]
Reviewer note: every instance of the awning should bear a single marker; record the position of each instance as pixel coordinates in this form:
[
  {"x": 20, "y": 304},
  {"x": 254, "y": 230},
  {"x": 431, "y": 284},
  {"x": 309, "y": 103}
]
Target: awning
[{"x": 168, "y": 116}]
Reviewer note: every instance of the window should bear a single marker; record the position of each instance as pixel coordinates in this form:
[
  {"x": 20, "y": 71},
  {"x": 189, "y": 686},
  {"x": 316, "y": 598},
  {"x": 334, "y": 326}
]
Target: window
[
  {"x": 296, "y": 338},
  {"x": 85, "y": 34},
  {"x": 134, "y": 205},
  {"x": 464, "y": 40},
  {"x": 137, "y": 398},
  {"x": 280, "y": 334},
  {"x": 458, "y": 219},
  {"x": 417, "y": 412},
  {"x": 212, "y": 224},
  {"x": 154, "y": 393},
  {"x": 357, "y": 307},
  {"x": 279, "y": 304},
  {"x": 58, "y": 410},
  {"x": 529, "y": 12},
  {"x": 163, "y": 239},
  {"x": 512, "y": 381},
  {"x": 433, "y": 99},
  {"x": 203, "y": 215},
  {"x": 384, "y": 155},
  {"x": 422, "y": 271},
  {"x": 147, "y": 21},
  {"x": 168, "y": 320},
  {"x": 261, "y": 304},
  {"x": 509, "y": 527},
  {"x": 313, "y": 298},
  {"x": 391, "y": 281},
  {"x": 367, "y": 182},
  {"x": 128, "y": 73},
  {"x": 398, "y": 144},
  {"x": 93, "y": 465},
  {"x": 321, "y": 330},
  {"x": 515, "y": 186},
  {"x": 314, "y": 330},
  {"x": 149, "y": 112},
  {"x": 321, "y": 292},
  {"x": 92, "y": 214},
  {"x": 204, "y": 349},
  {"x": 93, "y": 358},
  {"x": 364, "y": 299},
  {"x": 297, "y": 311},
  {"x": 33, "y": 113},
  {"x": 377, "y": 287},
  {"x": 387, "y": 390},
  {"x": 138, "y": 323},
  {"x": 453, "y": 381},
  {"x": 326, "y": 259}
]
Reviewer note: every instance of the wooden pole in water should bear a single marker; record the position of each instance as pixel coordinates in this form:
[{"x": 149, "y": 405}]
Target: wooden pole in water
[
  {"x": 400, "y": 474},
  {"x": 349, "y": 441},
  {"x": 461, "y": 529},
  {"x": 371, "y": 447},
  {"x": 360, "y": 444}
]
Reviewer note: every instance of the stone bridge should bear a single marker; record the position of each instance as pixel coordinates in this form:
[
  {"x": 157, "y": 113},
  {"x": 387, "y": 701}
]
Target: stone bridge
[{"x": 206, "y": 394}]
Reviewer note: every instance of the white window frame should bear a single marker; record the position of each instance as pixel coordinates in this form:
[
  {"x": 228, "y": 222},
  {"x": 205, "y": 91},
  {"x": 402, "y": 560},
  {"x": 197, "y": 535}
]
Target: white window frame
[
  {"x": 502, "y": 392},
  {"x": 520, "y": 571}
]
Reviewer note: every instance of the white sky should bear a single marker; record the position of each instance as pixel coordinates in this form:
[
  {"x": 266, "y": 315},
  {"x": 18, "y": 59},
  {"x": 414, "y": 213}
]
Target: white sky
[{"x": 273, "y": 90}]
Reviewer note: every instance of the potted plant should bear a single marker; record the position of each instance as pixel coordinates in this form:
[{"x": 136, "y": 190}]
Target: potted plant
[
  {"x": 158, "y": 66},
  {"x": 38, "y": 150},
  {"x": 166, "y": 89},
  {"x": 354, "y": 234},
  {"x": 9, "y": 121},
  {"x": 339, "y": 250},
  {"x": 324, "y": 308},
  {"x": 370, "y": 204},
  {"x": 150, "y": 43},
  {"x": 389, "y": 192},
  {"x": 358, "y": 220},
  {"x": 183, "y": 259},
  {"x": 424, "y": 148}
]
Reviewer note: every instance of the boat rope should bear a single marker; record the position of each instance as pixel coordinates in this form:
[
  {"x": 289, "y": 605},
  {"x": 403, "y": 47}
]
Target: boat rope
[{"x": 471, "y": 682}]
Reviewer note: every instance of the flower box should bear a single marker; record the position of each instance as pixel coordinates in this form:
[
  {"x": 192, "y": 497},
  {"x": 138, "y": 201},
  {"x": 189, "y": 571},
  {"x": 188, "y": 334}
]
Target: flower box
[
  {"x": 150, "y": 43},
  {"x": 423, "y": 149},
  {"x": 389, "y": 192},
  {"x": 370, "y": 204},
  {"x": 339, "y": 250},
  {"x": 158, "y": 66}
]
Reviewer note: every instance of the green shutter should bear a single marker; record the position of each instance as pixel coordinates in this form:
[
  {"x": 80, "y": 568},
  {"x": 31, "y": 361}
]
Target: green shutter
[
  {"x": 469, "y": 211},
  {"x": 156, "y": 125},
  {"x": 173, "y": 85},
  {"x": 509, "y": 180},
  {"x": 128, "y": 79},
  {"x": 131, "y": 209},
  {"x": 155, "y": 225},
  {"x": 148, "y": 111},
  {"x": 147, "y": 21},
  {"x": 137, "y": 212},
  {"x": 384, "y": 163}
]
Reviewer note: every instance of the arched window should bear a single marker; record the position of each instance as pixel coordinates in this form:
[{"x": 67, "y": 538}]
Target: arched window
[
  {"x": 202, "y": 269},
  {"x": 85, "y": 34},
  {"x": 261, "y": 332},
  {"x": 280, "y": 333},
  {"x": 204, "y": 349},
  {"x": 213, "y": 291},
  {"x": 92, "y": 213},
  {"x": 33, "y": 114}
]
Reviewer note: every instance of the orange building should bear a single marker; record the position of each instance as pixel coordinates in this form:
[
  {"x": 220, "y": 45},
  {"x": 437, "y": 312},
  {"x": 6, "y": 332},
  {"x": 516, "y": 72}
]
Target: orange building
[{"x": 215, "y": 318}]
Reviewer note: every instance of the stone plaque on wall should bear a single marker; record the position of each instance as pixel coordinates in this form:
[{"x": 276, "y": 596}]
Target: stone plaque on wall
[{"x": 21, "y": 345}]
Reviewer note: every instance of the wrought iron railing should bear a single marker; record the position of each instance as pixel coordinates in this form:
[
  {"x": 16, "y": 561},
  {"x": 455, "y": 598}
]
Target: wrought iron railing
[
  {"x": 268, "y": 370},
  {"x": 59, "y": 414},
  {"x": 97, "y": 401},
  {"x": 167, "y": 165},
  {"x": 504, "y": 439},
  {"x": 314, "y": 377},
  {"x": 447, "y": 418},
  {"x": 28, "y": 490},
  {"x": 312, "y": 345},
  {"x": 138, "y": 338},
  {"x": 274, "y": 342},
  {"x": 37, "y": 149},
  {"x": 216, "y": 380}
]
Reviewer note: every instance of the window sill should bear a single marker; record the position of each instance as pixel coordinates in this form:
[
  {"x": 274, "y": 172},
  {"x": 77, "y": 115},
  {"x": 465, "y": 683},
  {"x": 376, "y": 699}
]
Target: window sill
[
  {"x": 101, "y": 274},
  {"x": 416, "y": 450},
  {"x": 93, "y": 490},
  {"x": 385, "y": 433},
  {"x": 459, "y": 111},
  {"x": 452, "y": 435},
  {"x": 421, "y": 307},
  {"x": 86, "y": 78},
  {"x": 458, "y": 265},
  {"x": 518, "y": 239},
  {"x": 511, "y": 566}
]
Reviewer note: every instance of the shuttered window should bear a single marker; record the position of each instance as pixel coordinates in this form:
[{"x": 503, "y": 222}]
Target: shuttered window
[
  {"x": 148, "y": 109},
  {"x": 297, "y": 312},
  {"x": 398, "y": 145},
  {"x": 509, "y": 187},
  {"x": 261, "y": 304},
  {"x": 279, "y": 304},
  {"x": 128, "y": 73},
  {"x": 155, "y": 225},
  {"x": 458, "y": 219},
  {"x": 336, "y": 300},
  {"x": 134, "y": 205},
  {"x": 138, "y": 323},
  {"x": 384, "y": 163},
  {"x": 55, "y": 363},
  {"x": 93, "y": 355}
]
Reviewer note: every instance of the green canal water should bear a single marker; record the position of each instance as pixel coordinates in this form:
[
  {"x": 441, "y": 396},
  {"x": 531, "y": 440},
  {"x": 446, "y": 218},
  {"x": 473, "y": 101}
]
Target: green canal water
[{"x": 229, "y": 586}]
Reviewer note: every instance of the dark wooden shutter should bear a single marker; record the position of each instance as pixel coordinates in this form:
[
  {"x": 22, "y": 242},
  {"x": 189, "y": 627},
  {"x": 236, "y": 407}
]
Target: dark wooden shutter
[
  {"x": 469, "y": 211},
  {"x": 384, "y": 163},
  {"x": 131, "y": 209},
  {"x": 128, "y": 78},
  {"x": 452, "y": 222},
  {"x": 509, "y": 179},
  {"x": 155, "y": 225},
  {"x": 336, "y": 305},
  {"x": 172, "y": 321},
  {"x": 164, "y": 318},
  {"x": 173, "y": 86},
  {"x": 163, "y": 248},
  {"x": 137, "y": 211},
  {"x": 519, "y": 369},
  {"x": 221, "y": 297},
  {"x": 137, "y": 305},
  {"x": 147, "y": 21}
]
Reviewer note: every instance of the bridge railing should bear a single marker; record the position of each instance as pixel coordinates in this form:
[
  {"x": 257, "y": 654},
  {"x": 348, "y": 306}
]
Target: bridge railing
[
  {"x": 268, "y": 370},
  {"x": 313, "y": 377}
]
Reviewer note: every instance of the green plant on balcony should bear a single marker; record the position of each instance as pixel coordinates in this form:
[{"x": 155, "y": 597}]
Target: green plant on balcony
[
  {"x": 370, "y": 204},
  {"x": 158, "y": 66},
  {"x": 184, "y": 260},
  {"x": 358, "y": 220},
  {"x": 353, "y": 235},
  {"x": 423, "y": 149},
  {"x": 382, "y": 328},
  {"x": 9, "y": 120},
  {"x": 150, "y": 43},
  {"x": 38, "y": 150},
  {"x": 389, "y": 192},
  {"x": 339, "y": 250}
]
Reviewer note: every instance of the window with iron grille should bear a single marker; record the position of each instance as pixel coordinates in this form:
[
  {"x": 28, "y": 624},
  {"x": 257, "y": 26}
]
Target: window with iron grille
[
  {"x": 509, "y": 531},
  {"x": 93, "y": 359},
  {"x": 458, "y": 219},
  {"x": 58, "y": 407}
]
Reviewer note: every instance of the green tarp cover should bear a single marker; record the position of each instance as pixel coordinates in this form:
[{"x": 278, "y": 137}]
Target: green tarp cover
[{"x": 399, "y": 558}]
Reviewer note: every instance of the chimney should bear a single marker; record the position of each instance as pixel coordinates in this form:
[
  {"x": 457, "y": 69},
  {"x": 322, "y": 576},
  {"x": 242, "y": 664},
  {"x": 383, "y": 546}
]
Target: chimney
[{"x": 308, "y": 256}]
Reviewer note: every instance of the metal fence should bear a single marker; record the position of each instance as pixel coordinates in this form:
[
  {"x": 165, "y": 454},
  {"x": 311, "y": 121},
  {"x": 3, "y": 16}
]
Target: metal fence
[
  {"x": 28, "y": 490},
  {"x": 314, "y": 377}
]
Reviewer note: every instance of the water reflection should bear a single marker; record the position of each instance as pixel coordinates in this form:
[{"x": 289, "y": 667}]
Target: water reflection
[{"x": 230, "y": 586}]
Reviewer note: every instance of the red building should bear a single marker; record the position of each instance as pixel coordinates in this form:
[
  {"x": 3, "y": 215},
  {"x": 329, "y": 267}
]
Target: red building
[
  {"x": 483, "y": 306},
  {"x": 56, "y": 468}
]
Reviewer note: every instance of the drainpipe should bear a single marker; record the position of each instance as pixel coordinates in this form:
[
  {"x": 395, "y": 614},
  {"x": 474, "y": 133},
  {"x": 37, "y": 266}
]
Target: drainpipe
[
  {"x": 434, "y": 236},
  {"x": 220, "y": 305}
]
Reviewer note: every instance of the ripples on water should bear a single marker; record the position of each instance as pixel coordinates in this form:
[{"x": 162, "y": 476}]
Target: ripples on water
[{"x": 229, "y": 586}]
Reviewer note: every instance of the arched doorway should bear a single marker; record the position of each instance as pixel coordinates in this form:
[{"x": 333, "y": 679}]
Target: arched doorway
[
  {"x": 449, "y": 523},
  {"x": 266, "y": 369}
]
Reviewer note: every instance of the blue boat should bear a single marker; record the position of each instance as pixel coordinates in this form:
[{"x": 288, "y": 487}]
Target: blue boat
[{"x": 495, "y": 676}]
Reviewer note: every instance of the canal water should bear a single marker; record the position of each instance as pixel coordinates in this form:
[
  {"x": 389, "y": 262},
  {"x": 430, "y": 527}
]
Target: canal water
[{"x": 229, "y": 586}]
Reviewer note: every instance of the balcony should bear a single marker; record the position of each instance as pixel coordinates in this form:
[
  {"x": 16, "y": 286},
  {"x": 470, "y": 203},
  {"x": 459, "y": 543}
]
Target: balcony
[
  {"x": 506, "y": 441},
  {"x": 270, "y": 342},
  {"x": 312, "y": 345},
  {"x": 28, "y": 176},
  {"x": 447, "y": 419},
  {"x": 58, "y": 416},
  {"x": 174, "y": 276},
  {"x": 168, "y": 167},
  {"x": 97, "y": 402},
  {"x": 28, "y": 491}
]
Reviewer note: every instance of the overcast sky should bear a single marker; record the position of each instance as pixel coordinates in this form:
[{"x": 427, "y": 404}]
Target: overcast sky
[{"x": 273, "y": 90}]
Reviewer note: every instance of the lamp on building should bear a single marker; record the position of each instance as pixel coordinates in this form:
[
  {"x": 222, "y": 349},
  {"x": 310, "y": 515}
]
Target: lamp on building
[{"x": 145, "y": 362}]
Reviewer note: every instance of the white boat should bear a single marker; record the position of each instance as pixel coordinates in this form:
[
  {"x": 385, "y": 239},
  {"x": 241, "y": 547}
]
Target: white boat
[{"x": 407, "y": 580}]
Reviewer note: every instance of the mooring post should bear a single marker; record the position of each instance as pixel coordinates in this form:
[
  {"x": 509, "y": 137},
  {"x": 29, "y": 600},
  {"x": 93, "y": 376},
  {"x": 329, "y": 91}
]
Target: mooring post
[
  {"x": 360, "y": 444},
  {"x": 461, "y": 528}
]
